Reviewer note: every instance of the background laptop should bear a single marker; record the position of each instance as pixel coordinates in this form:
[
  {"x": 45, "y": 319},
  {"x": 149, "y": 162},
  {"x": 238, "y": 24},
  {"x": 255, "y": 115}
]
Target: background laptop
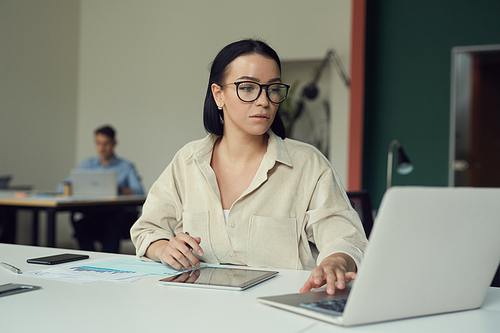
[
  {"x": 432, "y": 250},
  {"x": 93, "y": 183}
]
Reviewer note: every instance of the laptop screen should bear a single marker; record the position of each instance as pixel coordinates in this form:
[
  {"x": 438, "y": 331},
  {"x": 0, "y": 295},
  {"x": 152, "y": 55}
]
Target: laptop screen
[{"x": 94, "y": 182}]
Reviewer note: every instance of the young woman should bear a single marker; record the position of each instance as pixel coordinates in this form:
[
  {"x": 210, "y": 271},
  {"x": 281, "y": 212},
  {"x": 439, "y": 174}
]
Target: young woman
[{"x": 245, "y": 195}]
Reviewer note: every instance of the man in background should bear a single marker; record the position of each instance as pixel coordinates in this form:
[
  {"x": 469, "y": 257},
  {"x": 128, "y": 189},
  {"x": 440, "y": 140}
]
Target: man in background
[{"x": 106, "y": 225}]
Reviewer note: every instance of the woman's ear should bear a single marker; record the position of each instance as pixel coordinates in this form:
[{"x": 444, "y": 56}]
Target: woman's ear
[{"x": 217, "y": 94}]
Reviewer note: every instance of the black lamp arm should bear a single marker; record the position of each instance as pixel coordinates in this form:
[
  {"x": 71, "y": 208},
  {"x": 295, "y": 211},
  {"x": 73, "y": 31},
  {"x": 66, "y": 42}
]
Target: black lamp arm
[
  {"x": 311, "y": 90},
  {"x": 334, "y": 57}
]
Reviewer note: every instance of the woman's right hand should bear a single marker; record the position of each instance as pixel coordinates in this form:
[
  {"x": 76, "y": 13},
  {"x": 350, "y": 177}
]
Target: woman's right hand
[{"x": 177, "y": 252}]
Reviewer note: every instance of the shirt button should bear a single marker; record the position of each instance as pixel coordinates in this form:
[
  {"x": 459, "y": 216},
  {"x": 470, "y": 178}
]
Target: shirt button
[
  {"x": 230, "y": 255},
  {"x": 231, "y": 225}
]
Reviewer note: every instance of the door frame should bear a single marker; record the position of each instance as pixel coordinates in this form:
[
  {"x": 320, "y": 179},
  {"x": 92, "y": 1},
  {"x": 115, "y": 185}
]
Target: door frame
[{"x": 461, "y": 100}]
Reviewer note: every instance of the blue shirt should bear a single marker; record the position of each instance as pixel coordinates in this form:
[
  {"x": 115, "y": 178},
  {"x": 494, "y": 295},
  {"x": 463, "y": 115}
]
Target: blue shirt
[{"x": 126, "y": 174}]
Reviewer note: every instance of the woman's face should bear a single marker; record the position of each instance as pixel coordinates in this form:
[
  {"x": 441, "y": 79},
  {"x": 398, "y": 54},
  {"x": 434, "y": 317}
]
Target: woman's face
[{"x": 253, "y": 118}]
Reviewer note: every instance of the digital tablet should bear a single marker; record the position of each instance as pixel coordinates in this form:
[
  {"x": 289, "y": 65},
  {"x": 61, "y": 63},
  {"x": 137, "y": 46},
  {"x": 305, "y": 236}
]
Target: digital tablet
[{"x": 227, "y": 278}]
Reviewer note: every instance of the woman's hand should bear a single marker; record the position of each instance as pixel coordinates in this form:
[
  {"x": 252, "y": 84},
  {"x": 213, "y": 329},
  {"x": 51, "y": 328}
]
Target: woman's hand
[
  {"x": 177, "y": 252},
  {"x": 338, "y": 267}
]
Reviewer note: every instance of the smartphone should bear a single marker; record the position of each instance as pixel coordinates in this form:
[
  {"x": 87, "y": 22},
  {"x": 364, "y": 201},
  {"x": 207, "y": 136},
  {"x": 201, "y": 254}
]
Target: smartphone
[
  {"x": 15, "y": 288},
  {"x": 57, "y": 259}
]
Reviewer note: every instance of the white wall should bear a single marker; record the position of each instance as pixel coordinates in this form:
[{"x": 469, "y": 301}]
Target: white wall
[
  {"x": 144, "y": 66},
  {"x": 38, "y": 93},
  {"x": 38, "y": 87},
  {"x": 69, "y": 66}
]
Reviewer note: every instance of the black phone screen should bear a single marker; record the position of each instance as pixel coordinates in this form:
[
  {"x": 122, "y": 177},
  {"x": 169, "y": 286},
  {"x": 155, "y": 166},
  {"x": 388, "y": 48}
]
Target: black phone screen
[{"x": 57, "y": 259}]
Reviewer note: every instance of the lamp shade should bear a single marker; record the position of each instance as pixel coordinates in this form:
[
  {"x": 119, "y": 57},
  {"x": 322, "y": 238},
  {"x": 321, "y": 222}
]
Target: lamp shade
[
  {"x": 311, "y": 91},
  {"x": 404, "y": 165}
]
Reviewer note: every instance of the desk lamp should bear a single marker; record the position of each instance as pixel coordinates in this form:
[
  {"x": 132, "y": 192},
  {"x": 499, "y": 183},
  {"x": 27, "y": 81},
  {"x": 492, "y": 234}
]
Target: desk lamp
[{"x": 403, "y": 167}]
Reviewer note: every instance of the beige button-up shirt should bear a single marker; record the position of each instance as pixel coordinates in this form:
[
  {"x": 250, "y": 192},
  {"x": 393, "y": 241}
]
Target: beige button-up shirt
[{"x": 294, "y": 200}]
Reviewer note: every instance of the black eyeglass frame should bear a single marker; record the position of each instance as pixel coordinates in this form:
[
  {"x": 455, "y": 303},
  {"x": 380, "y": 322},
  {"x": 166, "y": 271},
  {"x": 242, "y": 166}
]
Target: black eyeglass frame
[{"x": 237, "y": 84}]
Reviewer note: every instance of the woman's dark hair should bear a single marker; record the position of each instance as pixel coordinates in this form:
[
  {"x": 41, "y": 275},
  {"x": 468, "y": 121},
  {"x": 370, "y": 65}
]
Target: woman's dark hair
[{"x": 218, "y": 70}]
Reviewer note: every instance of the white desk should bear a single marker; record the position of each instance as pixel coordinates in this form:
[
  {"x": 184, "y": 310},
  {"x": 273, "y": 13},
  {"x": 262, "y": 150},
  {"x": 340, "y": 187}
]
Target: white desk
[{"x": 146, "y": 306}]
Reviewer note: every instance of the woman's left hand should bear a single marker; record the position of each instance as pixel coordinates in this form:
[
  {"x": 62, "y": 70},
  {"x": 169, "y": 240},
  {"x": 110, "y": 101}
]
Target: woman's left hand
[{"x": 338, "y": 267}]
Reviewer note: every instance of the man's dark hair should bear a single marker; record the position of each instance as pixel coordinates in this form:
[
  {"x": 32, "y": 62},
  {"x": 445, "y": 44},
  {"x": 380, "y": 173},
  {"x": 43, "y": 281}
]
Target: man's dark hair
[
  {"x": 218, "y": 71},
  {"x": 106, "y": 130}
]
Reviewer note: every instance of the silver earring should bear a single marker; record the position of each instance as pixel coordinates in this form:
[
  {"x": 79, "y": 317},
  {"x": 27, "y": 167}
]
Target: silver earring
[{"x": 221, "y": 115}]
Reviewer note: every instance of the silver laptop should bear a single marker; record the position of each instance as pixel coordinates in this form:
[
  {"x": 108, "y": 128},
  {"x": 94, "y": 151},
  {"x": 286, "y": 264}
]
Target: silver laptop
[
  {"x": 432, "y": 250},
  {"x": 93, "y": 183}
]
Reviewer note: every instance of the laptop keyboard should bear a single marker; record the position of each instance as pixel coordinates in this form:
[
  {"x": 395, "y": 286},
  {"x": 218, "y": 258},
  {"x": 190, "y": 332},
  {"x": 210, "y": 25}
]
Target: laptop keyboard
[{"x": 335, "y": 307}]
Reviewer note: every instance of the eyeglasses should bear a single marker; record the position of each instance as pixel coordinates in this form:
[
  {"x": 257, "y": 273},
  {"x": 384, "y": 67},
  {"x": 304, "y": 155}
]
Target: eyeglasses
[{"x": 249, "y": 91}]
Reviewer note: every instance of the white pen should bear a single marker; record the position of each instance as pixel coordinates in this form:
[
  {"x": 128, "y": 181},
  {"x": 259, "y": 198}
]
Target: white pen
[{"x": 11, "y": 268}]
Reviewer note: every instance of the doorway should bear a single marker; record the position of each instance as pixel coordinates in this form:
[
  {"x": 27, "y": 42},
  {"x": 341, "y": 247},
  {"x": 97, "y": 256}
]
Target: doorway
[{"x": 475, "y": 117}]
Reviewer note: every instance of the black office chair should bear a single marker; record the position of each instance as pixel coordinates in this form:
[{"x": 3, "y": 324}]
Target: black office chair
[
  {"x": 360, "y": 201},
  {"x": 496, "y": 279}
]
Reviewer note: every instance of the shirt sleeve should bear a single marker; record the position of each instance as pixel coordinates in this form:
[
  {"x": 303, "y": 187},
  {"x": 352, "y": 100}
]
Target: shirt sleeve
[
  {"x": 134, "y": 181},
  {"x": 333, "y": 224},
  {"x": 160, "y": 213}
]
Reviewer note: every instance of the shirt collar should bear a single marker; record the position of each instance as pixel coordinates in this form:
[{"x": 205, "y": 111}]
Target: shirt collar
[
  {"x": 113, "y": 161},
  {"x": 276, "y": 150},
  {"x": 204, "y": 150}
]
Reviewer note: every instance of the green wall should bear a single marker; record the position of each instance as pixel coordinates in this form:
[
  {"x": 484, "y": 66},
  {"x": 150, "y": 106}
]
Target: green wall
[{"x": 408, "y": 70}]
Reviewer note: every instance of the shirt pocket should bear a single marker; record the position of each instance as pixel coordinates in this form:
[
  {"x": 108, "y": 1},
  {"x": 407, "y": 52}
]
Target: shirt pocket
[
  {"x": 273, "y": 242},
  {"x": 196, "y": 223}
]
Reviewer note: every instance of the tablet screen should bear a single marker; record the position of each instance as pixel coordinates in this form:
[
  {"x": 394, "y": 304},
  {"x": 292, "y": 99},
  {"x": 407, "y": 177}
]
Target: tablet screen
[{"x": 220, "y": 278}]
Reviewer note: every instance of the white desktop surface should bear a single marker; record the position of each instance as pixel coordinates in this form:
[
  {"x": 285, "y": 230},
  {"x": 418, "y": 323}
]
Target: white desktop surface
[{"x": 147, "y": 306}]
